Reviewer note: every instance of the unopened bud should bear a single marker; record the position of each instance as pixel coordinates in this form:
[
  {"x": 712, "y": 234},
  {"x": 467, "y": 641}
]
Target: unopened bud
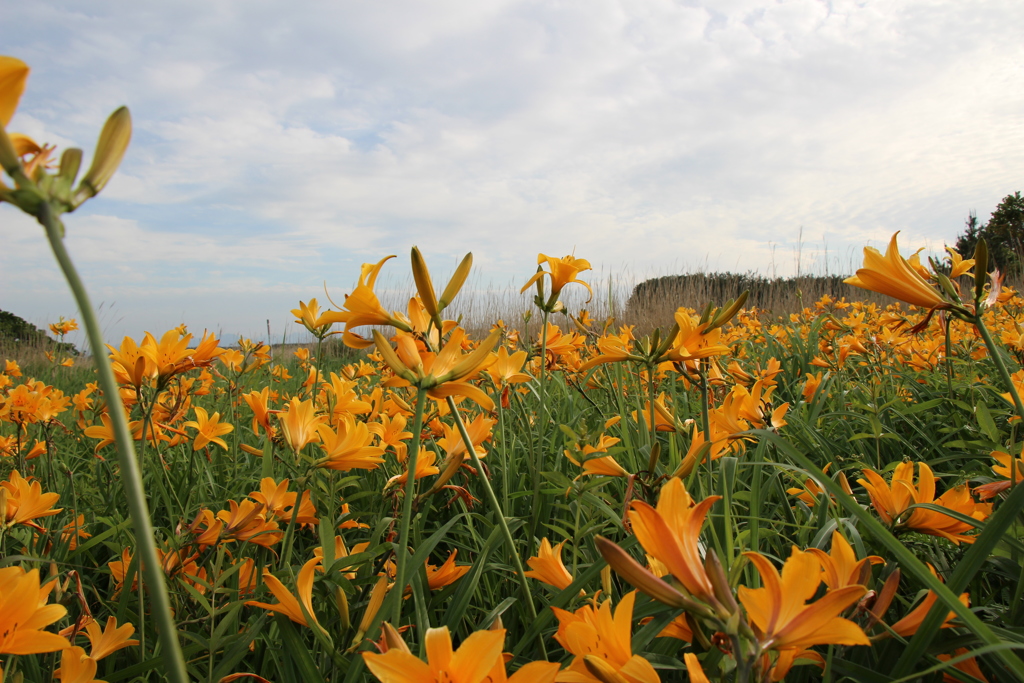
[
  {"x": 8, "y": 156},
  {"x": 719, "y": 581},
  {"x": 455, "y": 284},
  {"x": 341, "y": 602},
  {"x": 424, "y": 285},
  {"x": 393, "y": 639},
  {"x": 642, "y": 578},
  {"x": 113, "y": 142},
  {"x": 885, "y": 597},
  {"x": 376, "y": 600}
]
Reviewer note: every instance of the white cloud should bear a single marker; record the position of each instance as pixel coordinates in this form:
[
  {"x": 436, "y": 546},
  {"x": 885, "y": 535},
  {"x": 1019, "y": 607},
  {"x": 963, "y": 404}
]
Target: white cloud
[{"x": 288, "y": 148}]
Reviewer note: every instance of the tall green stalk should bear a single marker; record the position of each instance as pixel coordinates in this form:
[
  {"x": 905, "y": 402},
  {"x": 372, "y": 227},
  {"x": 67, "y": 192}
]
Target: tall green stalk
[
  {"x": 131, "y": 474},
  {"x": 1004, "y": 373},
  {"x": 402, "y": 561},
  {"x": 542, "y": 375},
  {"x": 499, "y": 514}
]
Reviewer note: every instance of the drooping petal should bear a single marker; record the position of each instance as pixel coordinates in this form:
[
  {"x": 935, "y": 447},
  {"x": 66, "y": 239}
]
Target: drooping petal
[{"x": 395, "y": 666}]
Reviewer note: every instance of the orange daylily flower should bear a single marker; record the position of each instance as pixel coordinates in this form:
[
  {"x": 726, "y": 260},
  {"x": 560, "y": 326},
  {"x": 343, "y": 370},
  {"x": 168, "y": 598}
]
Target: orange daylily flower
[
  {"x": 286, "y": 603},
  {"x": 76, "y": 667},
  {"x": 811, "y": 386},
  {"x": 601, "y": 643},
  {"x": 840, "y": 567},
  {"x": 908, "y": 625},
  {"x": 547, "y": 566},
  {"x": 110, "y": 638},
  {"x": 210, "y": 429},
  {"x": 531, "y": 672},
  {"x": 24, "y": 613},
  {"x": 443, "y": 373},
  {"x": 171, "y": 354},
  {"x": 779, "y": 611},
  {"x": 507, "y": 368},
  {"x": 958, "y": 264},
  {"x": 968, "y": 666},
  {"x": 25, "y": 501},
  {"x": 259, "y": 402},
  {"x": 447, "y": 574},
  {"x": 479, "y": 430},
  {"x": 612, "y": 349},
  {"x": 894, "y": 276},
  {"x": 606, "y": 465},
  {"x": 471, "y": 663},
  {"x": 279, "y": 502},
  {"x": 348, "y": 447},
  {"x": 362, "y": 307},
  {"x": 670, "y": 533},
  {"x": 811, "y": 492},
  {"x": 246, "y": 522},
  {"x": 391, "y": 431},
  {"x": 13, "y": 75},
  {"x": 317, "y": 323},
  {"x": 1010, "y": 471},
  {"x": 891, "y": 501},
  {"x": 74, "y": 530},
  {"x": 298, "y": 424},
  {"x": 425, "y": 466},
  {"x": 694, "y": 669},
  {"x": 562, "y": 271},
  {"x": 694, "y": 340}
]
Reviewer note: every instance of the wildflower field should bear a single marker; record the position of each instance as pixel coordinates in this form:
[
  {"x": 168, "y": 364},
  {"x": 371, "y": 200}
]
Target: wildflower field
[{"x": 730, "y": 496}]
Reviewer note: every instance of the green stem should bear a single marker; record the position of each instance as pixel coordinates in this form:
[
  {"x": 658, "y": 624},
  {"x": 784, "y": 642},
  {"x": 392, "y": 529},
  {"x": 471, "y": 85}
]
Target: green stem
[
  {"x": 402, "y": 560},
  {"x": 1004, "y": 372},
  {"x": 705, "y": 421},
  {"x": 949, "y": 359},
  {"x": 652, "y": 392},
  {"x": 496, "y": 507},
  {"x": 542, "y": 375},
  {"x": 301, "y": 484},
  {"x": 131, "y": 475}
]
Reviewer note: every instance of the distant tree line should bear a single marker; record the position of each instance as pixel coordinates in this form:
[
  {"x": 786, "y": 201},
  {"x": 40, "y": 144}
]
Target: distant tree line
[
  {"x": 16, "y": 331},
  {"x": 1004, "y": 234},
  {"x": 696, "y": 290}
]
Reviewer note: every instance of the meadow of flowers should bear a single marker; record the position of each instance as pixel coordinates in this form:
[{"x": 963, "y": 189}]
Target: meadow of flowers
[{"x": 729, "y": 496}]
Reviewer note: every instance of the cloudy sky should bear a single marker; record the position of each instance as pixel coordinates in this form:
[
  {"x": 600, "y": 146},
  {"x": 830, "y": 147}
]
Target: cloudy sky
[{"x": 277, "y": 146}]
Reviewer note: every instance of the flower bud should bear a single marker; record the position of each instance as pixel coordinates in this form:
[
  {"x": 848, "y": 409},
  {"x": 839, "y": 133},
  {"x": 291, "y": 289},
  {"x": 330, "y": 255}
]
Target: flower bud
[
  {"x": 376, "y": 600},
  {"x": 114, "y": 139},
  {"x": 642, "y": 578},
  {"x": 341, "y": 602},
  {"x": 8, "y": 156},
  {"x": 424, "y": 285},
  {"x": 393, "y": 638},
  {"x": 455, "y": 284}
]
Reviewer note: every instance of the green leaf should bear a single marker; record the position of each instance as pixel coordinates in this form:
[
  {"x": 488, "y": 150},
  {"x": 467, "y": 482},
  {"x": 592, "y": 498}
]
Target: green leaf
[
  {"x": 985, "y": 421},
  {"x": 907, "y": 560},
  {"x": 296, "y": 651},
  {"x": 973, "y": 560},
  {"x": 467, "y": 586}
]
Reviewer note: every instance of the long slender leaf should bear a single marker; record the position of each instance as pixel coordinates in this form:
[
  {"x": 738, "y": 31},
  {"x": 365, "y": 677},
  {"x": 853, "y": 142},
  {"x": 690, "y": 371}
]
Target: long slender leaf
[{"x": 907, "y": 560}]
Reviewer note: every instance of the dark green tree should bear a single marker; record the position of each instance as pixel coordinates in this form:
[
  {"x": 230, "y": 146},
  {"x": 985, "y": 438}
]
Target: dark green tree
[{"x": 1004, "y": 233}]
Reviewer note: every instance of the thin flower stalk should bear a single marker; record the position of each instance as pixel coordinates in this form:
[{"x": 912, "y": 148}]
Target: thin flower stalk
[
  {"x": 492, "y": 500},
  {"x": 131, "y": 474},
  {"x": 402, "y": 560}
]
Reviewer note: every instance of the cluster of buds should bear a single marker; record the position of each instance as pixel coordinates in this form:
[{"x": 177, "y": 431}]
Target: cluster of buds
[{"x": 25, "y": 162}]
